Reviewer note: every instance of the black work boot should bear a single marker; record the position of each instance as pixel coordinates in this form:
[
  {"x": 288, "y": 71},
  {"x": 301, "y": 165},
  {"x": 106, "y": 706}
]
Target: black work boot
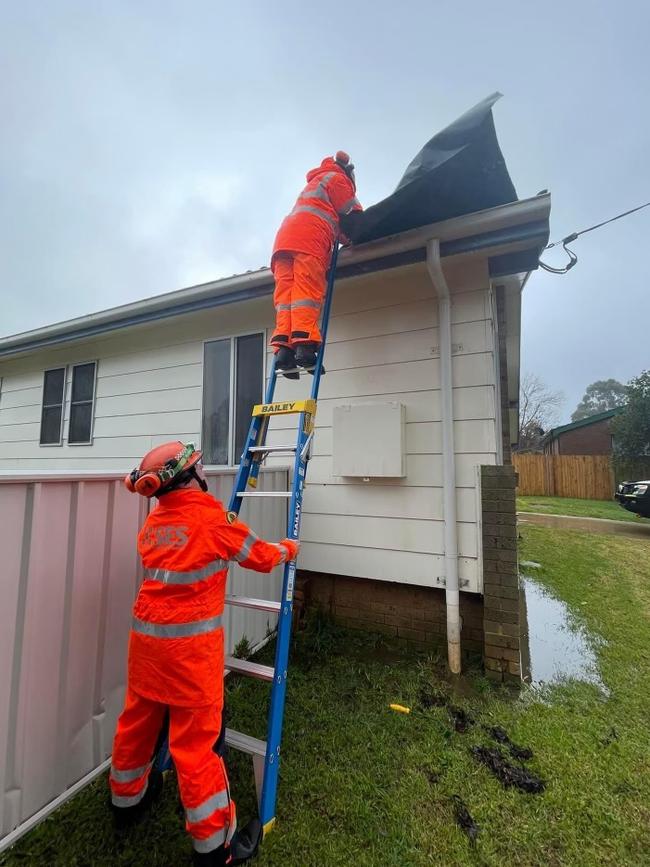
[
  {"x": 245, "y": 843},
  {"x": 285, "y": 359},
  {"x": 306, "y": 354},
  {"x": 126, "y": 817},
  {"x": 243, "y": 847}
]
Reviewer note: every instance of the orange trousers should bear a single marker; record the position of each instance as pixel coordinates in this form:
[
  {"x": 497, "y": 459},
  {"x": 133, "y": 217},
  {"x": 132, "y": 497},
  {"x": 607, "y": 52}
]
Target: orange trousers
[
  {"x": 300, "y": 282},
  {"x": 202, "y": 778}
]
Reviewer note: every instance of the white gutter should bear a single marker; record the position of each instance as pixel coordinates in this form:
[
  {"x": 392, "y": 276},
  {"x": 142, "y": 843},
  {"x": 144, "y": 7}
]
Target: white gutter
[{"x": 448, "y": 456}]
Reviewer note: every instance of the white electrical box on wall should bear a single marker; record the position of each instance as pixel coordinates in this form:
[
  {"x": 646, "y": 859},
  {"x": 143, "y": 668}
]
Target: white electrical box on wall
[{"x": 369, "y": 440}]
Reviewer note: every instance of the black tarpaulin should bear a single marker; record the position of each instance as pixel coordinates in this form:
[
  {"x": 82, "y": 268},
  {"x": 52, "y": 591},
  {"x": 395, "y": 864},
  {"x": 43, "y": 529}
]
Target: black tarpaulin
[{"x": 459, "y": 171}]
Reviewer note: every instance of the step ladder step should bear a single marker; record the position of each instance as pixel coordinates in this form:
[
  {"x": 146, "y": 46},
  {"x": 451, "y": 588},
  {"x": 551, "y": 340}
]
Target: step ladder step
[
  {"x": 257, "y": 449},
  {"x": 284, "y": 407},
  {"x": 301, "y": 371},
  {"x": 245, "y": 743},
  {"x": 252, "y": 669},
  {"x": 257, "y": 604},
  {"x": 264, "y": 494}
]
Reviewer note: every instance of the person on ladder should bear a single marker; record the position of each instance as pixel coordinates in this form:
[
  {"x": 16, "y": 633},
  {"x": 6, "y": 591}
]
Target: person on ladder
[
  {"x": 176, "y": 653},
  {"x": 301, "y": 254}
]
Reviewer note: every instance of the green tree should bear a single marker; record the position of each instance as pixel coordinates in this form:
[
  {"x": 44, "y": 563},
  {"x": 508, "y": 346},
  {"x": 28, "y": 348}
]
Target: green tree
[
  {"x": 631, "y": 429},
  {"x": 599, "y": 397}
]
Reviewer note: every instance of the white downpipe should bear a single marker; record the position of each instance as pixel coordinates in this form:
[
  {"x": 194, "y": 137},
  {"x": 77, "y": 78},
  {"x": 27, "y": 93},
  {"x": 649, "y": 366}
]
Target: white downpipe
[{"x": 448, "y": 456}]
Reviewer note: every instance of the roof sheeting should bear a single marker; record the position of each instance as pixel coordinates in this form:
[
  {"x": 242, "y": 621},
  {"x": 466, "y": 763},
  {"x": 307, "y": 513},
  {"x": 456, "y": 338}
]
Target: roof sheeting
[{"x": 459, "y": 171}]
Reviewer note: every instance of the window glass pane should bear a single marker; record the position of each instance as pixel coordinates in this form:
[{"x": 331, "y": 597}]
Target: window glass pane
[
  {"x": 216, "y": 402},
  {"x": 250, "y": 361},
  {"x": 83, "y": 381},
  {"x": 80, "y": 422},
  {"x": 51, "y": 425},
  {"x": 53, "y": 387}
]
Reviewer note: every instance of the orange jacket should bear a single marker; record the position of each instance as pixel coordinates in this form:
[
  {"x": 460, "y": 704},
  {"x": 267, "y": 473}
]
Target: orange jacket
[
  {"x": 313, "y": 225},
  {"x": 176, "y": 651}
]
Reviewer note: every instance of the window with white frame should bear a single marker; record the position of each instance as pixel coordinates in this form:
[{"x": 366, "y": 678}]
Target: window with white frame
[
  {"x": 82, "y": 400},
  {"x": 233, "y": 382}
]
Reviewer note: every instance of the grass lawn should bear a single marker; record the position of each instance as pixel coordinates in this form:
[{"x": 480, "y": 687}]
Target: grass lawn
[
  {"x": 362, "y": 785},
  {"x": 577, "y": 508}
]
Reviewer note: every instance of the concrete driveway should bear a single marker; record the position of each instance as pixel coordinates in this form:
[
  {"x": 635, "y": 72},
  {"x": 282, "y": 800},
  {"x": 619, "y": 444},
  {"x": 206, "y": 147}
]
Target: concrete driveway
[{"x": 590, "y": 525}]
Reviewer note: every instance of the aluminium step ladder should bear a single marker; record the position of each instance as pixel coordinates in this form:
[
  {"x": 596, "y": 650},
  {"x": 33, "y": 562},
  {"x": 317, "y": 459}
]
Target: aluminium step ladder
[{"x": 266, "y": 754}]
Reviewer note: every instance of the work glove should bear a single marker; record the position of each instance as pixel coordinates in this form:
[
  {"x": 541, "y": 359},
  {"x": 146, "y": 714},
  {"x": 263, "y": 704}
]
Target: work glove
[{"x": 291, "y": 547}]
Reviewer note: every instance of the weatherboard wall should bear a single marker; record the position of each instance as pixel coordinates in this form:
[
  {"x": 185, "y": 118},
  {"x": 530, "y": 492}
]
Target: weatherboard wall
[
  {"x": 392, "y": 529},
  {"x": 383, "y": 346}
]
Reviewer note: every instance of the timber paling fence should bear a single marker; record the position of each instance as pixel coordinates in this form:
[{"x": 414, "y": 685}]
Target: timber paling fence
[{"x": 586, "y": 477}]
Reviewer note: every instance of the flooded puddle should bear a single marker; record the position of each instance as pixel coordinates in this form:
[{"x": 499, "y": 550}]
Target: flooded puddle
[{"x": 554, "y": 646}]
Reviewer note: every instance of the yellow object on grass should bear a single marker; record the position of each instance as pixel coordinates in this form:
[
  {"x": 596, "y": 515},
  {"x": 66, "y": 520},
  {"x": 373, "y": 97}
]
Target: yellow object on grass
[{"x": 400, "y": 708}]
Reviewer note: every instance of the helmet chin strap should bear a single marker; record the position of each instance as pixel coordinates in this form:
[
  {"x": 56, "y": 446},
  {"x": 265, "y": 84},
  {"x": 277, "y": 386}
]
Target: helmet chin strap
[
  {"x": 181, "y": 481},
  {"x": 202, "y": 482}
]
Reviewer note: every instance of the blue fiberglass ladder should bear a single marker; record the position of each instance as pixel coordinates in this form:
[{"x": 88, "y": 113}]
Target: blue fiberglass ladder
[{"x": 266, "y": 755}]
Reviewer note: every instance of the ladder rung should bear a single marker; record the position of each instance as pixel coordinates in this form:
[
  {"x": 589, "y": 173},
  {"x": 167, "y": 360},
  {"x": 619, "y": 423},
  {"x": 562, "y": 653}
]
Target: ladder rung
[
  {"x": 257, "y": 604},
  {"x": 264, "y": 494},
  {"x": 301, "y": 371},
  {"x": 252, "y": 669},
  {"x": 256, "y": 449},
  {"x": 245, "y": 743}
]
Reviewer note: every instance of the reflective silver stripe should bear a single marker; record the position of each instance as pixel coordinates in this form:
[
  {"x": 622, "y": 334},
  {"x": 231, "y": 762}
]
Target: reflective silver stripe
[
  {"x": 220, "y": 801},
  {"x": 166, "y": 576},
  {"x": 309, "y": 209},
  {"x": 128, "y": 776},
  {"x": 245, "y": 550},
  {"x": 213, "y": 842},
  {"x": 280, "y": 307},
  {"x": 319, "y": 192},
  {"x": 231, "y": 831},
  {"x": 347, "y": 207},
  {"x": 305, "y": 302},
  {"x": 176, "y": 630},
  {"x": 129, "y": 800}
]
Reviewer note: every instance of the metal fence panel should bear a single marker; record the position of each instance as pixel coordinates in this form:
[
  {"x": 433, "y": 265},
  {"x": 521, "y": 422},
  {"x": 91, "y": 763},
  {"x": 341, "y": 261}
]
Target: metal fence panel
[{"x": 69, "y": 574}]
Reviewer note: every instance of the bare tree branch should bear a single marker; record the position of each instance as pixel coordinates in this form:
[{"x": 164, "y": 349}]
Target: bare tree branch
[{"x": 539, "y": 410}]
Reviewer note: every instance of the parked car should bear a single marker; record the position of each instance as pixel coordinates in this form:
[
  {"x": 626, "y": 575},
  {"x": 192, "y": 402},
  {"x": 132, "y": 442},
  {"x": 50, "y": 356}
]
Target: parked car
[{"x": 635, "y": 497}]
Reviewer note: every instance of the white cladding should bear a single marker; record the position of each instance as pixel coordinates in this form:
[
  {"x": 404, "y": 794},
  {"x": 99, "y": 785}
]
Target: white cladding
[{"x": 383, "y": 347}]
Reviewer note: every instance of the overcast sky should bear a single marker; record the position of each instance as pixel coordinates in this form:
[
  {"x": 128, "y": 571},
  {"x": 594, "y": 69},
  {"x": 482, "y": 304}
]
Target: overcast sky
[{"x": 147, "y": 146}]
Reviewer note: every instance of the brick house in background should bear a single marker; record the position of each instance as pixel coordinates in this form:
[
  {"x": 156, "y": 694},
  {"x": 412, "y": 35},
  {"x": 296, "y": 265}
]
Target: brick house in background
[{"x": 588, "y": 436}]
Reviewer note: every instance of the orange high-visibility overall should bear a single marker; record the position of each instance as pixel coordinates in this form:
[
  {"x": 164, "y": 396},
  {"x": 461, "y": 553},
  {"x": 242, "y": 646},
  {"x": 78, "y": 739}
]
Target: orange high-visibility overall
[
  {"x": 302, "y": 251},
  {"x": 176, "y": 656}
]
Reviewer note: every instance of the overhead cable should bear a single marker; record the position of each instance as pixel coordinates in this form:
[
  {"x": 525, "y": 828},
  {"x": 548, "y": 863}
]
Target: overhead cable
[{"x": 569, "y": 238}]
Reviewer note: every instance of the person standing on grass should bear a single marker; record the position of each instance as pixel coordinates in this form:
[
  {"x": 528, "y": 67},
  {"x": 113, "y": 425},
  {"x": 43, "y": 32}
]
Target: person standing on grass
[{"x": 176, "y": 653}]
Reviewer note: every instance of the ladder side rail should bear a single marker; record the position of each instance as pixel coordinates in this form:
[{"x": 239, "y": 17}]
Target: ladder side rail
[
  {"x": 331, "y": 277},
  {"x": 279, "y": 688}
]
